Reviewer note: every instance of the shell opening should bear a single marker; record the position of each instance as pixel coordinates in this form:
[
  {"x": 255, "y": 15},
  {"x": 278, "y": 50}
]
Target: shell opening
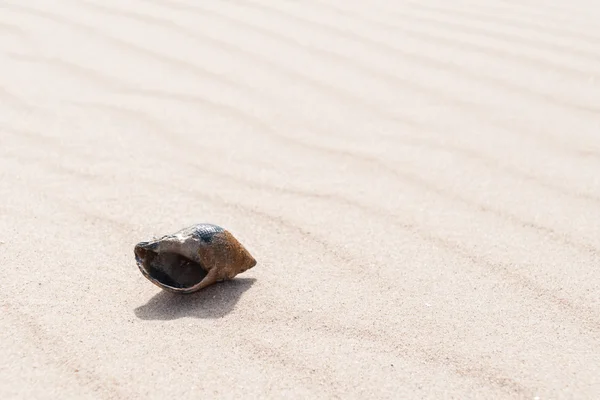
[{"x": 169, "y": 269}]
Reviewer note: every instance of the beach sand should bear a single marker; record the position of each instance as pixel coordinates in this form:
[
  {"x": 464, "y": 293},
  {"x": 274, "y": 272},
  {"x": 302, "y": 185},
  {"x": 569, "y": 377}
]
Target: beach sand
[{"x": 418, "y": 181}]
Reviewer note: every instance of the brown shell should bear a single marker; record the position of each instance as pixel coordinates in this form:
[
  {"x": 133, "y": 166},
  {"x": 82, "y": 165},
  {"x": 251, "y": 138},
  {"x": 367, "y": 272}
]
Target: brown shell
[{"x": 192, "y": 258}]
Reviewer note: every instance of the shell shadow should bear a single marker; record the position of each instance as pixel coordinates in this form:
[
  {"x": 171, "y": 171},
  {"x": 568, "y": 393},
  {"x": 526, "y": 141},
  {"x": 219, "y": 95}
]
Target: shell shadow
[{"x": 214, "y": 301}]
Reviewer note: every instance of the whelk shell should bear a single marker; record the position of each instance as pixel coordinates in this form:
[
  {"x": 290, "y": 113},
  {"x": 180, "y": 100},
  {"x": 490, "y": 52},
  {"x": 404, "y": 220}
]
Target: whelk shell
[{"x": 192, "y": 258}]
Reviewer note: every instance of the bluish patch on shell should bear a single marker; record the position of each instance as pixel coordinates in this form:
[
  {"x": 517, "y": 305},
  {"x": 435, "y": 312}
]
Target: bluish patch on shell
[{"x": 206, "y": 232}]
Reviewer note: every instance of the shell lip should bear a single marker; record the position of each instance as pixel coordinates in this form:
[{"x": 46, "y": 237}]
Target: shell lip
[
  {"x": 153, "y": 245},
  {"x": 139, "y": 258}
]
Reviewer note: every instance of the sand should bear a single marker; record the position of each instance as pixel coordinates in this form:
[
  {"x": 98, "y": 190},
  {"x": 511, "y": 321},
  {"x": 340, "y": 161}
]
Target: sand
[{"x": 419, "y": 182}]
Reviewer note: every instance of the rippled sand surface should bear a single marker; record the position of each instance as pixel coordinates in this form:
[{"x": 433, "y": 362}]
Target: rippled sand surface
[{"x": 418, "y": 180}]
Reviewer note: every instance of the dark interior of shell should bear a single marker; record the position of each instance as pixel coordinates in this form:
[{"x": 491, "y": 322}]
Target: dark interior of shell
[{"x": 170, "y": 269}]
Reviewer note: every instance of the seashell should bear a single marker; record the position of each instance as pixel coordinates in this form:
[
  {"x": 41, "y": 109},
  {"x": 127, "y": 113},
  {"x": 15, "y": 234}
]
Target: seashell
[{"x": 192, "y": 258}]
